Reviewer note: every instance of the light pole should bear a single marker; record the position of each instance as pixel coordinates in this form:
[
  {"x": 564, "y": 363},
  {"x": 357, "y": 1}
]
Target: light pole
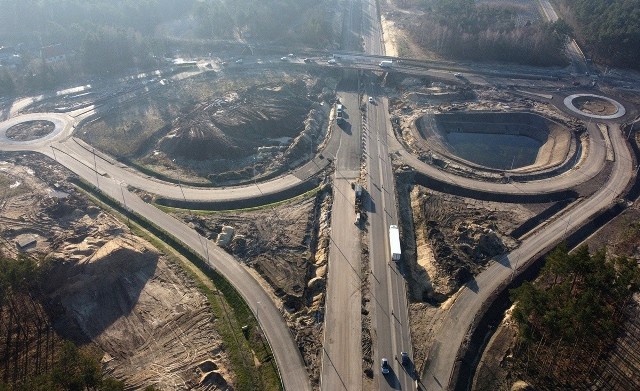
[
  {"x": 95, "y": 167},
  {"x": 126, "y": 211}
]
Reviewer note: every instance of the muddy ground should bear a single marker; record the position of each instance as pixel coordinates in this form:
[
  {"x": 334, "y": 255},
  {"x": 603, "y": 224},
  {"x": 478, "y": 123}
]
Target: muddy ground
[{"x": 108, "y": 288}]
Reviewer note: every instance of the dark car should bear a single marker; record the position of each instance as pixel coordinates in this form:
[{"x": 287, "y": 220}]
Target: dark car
[
  {"x": 384, "y": 366},
  {"x": 405, "y": 358}
]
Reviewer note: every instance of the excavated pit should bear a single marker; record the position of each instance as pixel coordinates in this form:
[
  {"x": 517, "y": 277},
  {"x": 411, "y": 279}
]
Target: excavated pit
[{"x": 497, "y": 141}]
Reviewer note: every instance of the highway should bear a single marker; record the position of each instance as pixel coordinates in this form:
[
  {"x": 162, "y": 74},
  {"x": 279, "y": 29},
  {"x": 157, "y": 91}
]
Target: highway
[
  {"x": 342, "y": 354},
  {"x": 342, "y": 358},
  {"x": 390, "y": 320},
  {"x": 573, "y": 50}
]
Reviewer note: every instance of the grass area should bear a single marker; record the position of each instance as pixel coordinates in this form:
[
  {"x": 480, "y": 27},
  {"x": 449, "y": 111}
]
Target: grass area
[
  {"x": 226, "y": 303},
  {"x": 203, "y": 212}
]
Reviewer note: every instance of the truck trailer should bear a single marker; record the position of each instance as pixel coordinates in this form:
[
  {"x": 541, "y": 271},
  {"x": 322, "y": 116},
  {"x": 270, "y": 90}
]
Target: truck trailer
[{"x": 394, "y": 242}]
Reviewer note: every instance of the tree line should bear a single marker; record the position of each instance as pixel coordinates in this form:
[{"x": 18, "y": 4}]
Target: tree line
[
  {"x": 463, "y": 29},
  {"x": 608, "y": 30},
  {"x": 283, "y": 22},
  {"x": 571, "y": 315}
]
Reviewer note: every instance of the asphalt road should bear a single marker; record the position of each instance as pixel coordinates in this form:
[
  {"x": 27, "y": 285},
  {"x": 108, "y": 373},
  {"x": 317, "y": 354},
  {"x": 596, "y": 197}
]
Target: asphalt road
[
  {"x": 390, "y": 317},
  {"x": 460, "y": 317},
  {"x": 591, "y": 164},
  {"x": 120, "y": 172},
  {"x": 342, "y": 353},
  {"x": 390, "y": 320}
]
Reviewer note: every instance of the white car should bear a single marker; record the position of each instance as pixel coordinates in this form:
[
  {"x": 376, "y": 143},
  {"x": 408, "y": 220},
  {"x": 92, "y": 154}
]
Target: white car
[
  {"x": 331, "y": 61},
  {"x": 284, "y": 59},
  {"x": 385, "y": 366},
  {"x": 457, "y": 74},
  {"x": 371, "y": 99}
]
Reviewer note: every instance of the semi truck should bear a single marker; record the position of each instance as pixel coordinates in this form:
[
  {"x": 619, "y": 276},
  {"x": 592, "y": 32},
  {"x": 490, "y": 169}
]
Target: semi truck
[
  {"x": 385, "y": 64},
  {"x": 394, "y": 242}
]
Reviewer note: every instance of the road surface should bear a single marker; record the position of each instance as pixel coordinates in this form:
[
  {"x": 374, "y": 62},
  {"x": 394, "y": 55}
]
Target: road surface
[
  {"x": 342, "y": 353},
  {"x": 467, "y": 307}
]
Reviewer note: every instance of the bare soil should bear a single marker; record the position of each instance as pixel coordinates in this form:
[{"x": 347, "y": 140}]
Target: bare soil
[
  {"x": 224, "y": 129},
  {"x": 110, "y": 289},
  {"x": 286, "y": 247},
  {"x": 30, "y": 130},
  {"x": 617, "y": 369},
  {"x": 591, "y": 105}
]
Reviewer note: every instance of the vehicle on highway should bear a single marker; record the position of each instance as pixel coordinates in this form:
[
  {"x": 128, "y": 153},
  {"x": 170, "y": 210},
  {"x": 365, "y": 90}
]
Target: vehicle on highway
[
  {"x": 331, "y": 61},
  {"x": 405, "y": 358},
  {"x": 307, "y": 60},
  {"x": 458, "y": 74},
  {"x": 290, "y": 55},
  {"x": 283, "y": 59},
  {"x": 384, "y": 366},
  {"x": 385, "y": 64},
  {"x": 239, "y": 61},
  {"x": 371, "y": 99},
  {"x": 394, "y": 242}
]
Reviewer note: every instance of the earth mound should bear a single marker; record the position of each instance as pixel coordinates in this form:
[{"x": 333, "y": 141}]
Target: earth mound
[{"x": 234, "y": 128}]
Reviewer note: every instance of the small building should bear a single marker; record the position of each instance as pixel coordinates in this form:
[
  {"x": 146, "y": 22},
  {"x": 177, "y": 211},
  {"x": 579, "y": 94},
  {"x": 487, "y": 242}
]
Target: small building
[
  {"x": 9, "y": 57},
  {"x": 53, "y": 53},
  {"x": 25, "y": 241}
]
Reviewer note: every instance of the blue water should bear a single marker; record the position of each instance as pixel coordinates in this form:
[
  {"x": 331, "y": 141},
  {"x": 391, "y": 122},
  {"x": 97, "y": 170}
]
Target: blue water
[{"x": 499, "y": 151}]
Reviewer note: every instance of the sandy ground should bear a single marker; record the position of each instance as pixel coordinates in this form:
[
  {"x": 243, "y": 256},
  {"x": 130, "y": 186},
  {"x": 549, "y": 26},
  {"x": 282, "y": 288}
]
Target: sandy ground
[
  {"x": 285, "y": 248},
  {"x": 110, "y": 289}
]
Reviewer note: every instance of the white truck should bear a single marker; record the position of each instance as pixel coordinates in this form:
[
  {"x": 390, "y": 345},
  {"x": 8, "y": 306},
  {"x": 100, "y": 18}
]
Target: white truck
[
  {"x": 394, "y": 242},
  {"x": 385, "y": 64}
]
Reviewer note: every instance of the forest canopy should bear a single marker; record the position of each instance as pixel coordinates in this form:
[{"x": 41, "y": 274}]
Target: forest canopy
[
  {"x": 609, "y": 30},
  {"x": 467, "y": 30}
]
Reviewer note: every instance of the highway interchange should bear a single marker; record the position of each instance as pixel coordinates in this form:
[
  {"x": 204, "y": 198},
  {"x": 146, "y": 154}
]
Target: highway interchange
[{"x": 371, "y": 141}]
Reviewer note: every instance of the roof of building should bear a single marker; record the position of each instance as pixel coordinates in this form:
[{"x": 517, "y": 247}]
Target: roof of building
[{"x": 52, "y": 51}]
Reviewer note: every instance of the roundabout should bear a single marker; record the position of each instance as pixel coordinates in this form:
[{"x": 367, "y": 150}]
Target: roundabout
[
  {"x": 588, "y": 102},
  {"x": 34, "y": 130}
]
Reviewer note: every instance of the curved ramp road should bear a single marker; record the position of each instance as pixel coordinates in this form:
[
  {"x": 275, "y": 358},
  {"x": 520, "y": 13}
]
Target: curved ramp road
[
  {"x": 591, "y": 165},
  {"x": 462, "y": 314},
  {"x": 287, "y": 355},
  {"x": 288, "y": 358}
]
